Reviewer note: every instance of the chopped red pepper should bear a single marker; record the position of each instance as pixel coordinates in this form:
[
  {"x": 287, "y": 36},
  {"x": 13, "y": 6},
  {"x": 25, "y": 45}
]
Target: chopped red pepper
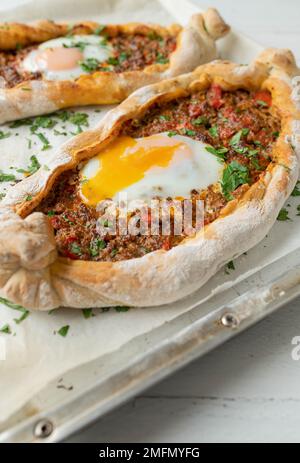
[
  {"x": 214, "y": 96},
  {"x": 264, "y": 96}
]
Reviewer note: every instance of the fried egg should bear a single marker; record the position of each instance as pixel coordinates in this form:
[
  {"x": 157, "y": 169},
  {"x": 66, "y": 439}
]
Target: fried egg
[
  {"x": 59, "y": 59},
  {"x": 145, "y": 168}
]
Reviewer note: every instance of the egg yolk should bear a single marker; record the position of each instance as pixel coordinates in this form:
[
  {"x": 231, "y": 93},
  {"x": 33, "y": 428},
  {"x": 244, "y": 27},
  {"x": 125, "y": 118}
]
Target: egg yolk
[
  {"x": 58, "y": 58},
  {"x": 126, "y": 161}
]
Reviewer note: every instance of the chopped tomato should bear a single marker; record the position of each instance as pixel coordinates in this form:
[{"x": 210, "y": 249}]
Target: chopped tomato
[
  {"x": 264, "y": 96},
  {"x": 263, "y": 137},
  {"x": 55, "y": 222},
  {"x": 195, "y": 109},
  {"x": 214, "y": 95},
  {"x": 226, "y": 132}
]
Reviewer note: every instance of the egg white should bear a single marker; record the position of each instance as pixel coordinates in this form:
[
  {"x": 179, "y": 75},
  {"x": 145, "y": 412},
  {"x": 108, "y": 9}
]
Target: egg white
[
  {"x": 94, "y": 48},
  {"x": 197, "y": 169}
]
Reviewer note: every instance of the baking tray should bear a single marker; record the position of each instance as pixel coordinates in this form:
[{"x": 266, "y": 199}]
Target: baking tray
[{"x": 93, "y": 389}]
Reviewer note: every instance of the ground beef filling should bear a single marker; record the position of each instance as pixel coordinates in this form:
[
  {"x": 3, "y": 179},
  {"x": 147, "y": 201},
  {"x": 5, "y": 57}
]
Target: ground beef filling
[
  {"x": 131, "y": 53},
  {"x": 240, "y": 126}
]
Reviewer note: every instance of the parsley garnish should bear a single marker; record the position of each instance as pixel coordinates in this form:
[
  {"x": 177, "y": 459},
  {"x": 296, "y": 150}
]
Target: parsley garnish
[
  {"x": 114, "y": 252},
  {"x": 44, "y": 140},
  {"x": 262, "y": 103},
  {"x": 32, "y": 168},
  {"x": 172, "y": 133},
  {"x": 296, "y": 191},
  {"x": 63, "y": 331},
  {"x": 235, "y": 140},
  {"x": 13, "y": 306},
  {"x": 79, "y": 119},
  {"x": 51, "y": 213},
  {"x": 4, "y": 135},
  {"x": 200, "y": 121},
  {"x": 122, "y": 309},
  {"x": 219, "y": 152},
  {"x": 161, "y": 59},
  {"x": 5, "y": 329},
  {"x": 230, "y": 265},
  {"x": 283, "y": 215},
  {"x": 189, "y": 133},
  {"x": 7, "y": 177},
  {"x": 113, "y": 61},
  {"x": 87, "y": 313},
  {"x": 76, "y": 249},
  {"x": 234, "y": 175},
  {"x": 213, "y": 131},
  {"x": 95, "y": 246},
  {"x": 163, "y": 117},
  {"x": 90, "y": 64}
]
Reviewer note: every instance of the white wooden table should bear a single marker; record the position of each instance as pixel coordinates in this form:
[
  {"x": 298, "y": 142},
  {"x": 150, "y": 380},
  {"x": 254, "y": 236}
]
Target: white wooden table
[{"x": 248, "y": 389}]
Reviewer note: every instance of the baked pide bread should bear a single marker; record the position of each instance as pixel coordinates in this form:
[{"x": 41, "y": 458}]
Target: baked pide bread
[
  {"x": 223, "y": 135},
  {"x": 47, "y": 66}
]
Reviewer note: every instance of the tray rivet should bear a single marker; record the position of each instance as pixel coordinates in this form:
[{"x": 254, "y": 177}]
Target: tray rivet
[
  {"x": 230, "y": 320},
  {"x": 43, "y": 429}
]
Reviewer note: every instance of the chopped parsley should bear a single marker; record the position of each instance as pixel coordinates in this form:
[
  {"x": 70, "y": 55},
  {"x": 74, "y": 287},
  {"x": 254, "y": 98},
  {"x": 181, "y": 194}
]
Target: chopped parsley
[
  {"x": 123, "y": 57},
  {"x": 51, "y": 213},
  {"x": 213, "y": 131},
  {"x": 114, "y": 252},
  {"x": 4, "y": 135},
  {"x": 96, "y": 246},
  {"x": 161, "y": 59},
  {"x": 172, "y": 133},
  {"x": 87, "y": 313},
  {"x": 44, "y": 140},
  {"x": 262, "y": 103},
  {"x": 32, "y": 168},
  {"x": 5, "y": 329},
  {"x": 236, "y": 139},
  {"x": 75, "y": 249},
  {"x": 7, "y": 177},
  {"x": 79, "y": 120},
  {"x": 122, "y": 309},
  {"x": 229, "y": 266},
  {"x": 283, "y": 215},
  {"x": 200, "y": 121},
  {"x": 63, "y": 331},
  {"x": 25, "y": 314},
  {"x": 89, "y": 65},
  {"x": 189, "y": 133},
  {"x": 219, "y": 152},
  {"x": 234, "y": 175},
  {"x": 113, "y": 61},
  {"x": 296, "y": 191},
  {"x": 163, "y": 117},
  {"x": 19, "y": 308}
]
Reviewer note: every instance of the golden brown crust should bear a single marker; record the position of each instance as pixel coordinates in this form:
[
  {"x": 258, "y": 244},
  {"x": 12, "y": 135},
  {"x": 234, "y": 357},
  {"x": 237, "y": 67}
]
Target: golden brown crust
[
  {"x": 33, "y": 275},
  {"x": 195, "y": 45}
]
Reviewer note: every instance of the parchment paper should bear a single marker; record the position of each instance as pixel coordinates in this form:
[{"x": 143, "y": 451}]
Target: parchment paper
[{"x": 35, "y": 352}]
